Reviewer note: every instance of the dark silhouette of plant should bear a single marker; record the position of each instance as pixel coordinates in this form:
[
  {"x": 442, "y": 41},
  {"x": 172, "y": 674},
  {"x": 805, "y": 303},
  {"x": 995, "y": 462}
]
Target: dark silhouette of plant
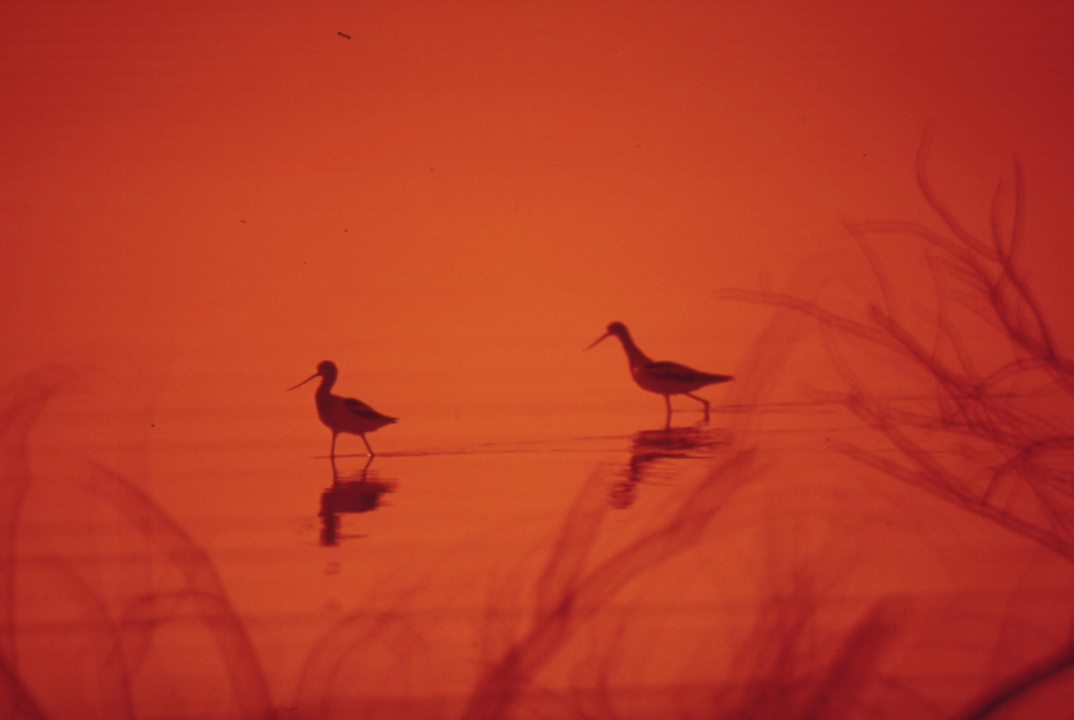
[
  {"x": 1009, "y": 418},
  {"x": 984, "y": 421}
]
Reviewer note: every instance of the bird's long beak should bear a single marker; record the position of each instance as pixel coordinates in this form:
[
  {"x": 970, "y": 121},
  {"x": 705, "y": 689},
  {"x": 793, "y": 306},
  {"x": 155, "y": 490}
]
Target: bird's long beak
[
  {"x": 304, "y": 381},
  {"x": 597, "y": 341}
]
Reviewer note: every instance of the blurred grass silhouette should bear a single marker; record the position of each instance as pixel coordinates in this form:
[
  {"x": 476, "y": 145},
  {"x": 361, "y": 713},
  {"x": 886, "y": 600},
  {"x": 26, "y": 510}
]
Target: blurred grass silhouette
[
  {"x": 116, "y": 632},
  {"x": 982, "y": 414},
  {"x": 1008, "y": 418}
]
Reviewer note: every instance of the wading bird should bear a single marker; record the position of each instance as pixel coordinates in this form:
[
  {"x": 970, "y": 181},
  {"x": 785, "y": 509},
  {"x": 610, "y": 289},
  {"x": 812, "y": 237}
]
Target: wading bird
[
  {"x": 661, "y": 377},
  {"x": 343, "y": 414}
]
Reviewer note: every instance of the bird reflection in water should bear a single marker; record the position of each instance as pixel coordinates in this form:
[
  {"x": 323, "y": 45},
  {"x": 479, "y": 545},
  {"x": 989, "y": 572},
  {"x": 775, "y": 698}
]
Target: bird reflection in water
[
  {"x": 652, "y": 450},
  {"x": 357, "y": 493}
]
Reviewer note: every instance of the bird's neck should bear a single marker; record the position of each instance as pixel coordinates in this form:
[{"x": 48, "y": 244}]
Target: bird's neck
[
  {"x": 635, "y": 356},
  {"x": 325, "y": 388}
]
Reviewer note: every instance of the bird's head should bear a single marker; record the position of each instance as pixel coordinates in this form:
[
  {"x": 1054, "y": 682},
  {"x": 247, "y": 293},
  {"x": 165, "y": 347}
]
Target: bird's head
[
  {"x": 326, "y": 369},
  {"x": 614, "y": 328}
]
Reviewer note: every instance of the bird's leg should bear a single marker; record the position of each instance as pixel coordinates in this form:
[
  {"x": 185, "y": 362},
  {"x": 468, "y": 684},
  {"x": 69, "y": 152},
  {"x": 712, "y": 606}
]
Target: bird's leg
[
  {"x": 371, "y": 453},
  {"x": 667, "y": 418},
  {"x": 332, "y": 453},
  {"x": 703, "y": 401}
]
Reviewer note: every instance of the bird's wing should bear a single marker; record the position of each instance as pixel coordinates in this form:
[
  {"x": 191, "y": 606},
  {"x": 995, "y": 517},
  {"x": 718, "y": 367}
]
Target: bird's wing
[
  {"x": 360, "y": 408},
  {"x": 664, "y": 370}
]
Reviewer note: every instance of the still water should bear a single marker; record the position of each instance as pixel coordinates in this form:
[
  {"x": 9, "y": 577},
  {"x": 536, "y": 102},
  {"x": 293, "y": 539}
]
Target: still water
[{"x": 596, "y": 565}]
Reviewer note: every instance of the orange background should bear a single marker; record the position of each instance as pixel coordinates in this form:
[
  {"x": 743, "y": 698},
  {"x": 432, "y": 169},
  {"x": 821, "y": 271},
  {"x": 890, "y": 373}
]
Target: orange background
[
  {"x": 199, "y": 202},
  {"x": 464, "y": 191}
]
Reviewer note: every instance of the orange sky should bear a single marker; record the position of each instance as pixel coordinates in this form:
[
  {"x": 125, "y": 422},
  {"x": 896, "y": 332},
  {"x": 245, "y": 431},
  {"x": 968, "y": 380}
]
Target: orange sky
[{"x": 463, "y": 192}]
